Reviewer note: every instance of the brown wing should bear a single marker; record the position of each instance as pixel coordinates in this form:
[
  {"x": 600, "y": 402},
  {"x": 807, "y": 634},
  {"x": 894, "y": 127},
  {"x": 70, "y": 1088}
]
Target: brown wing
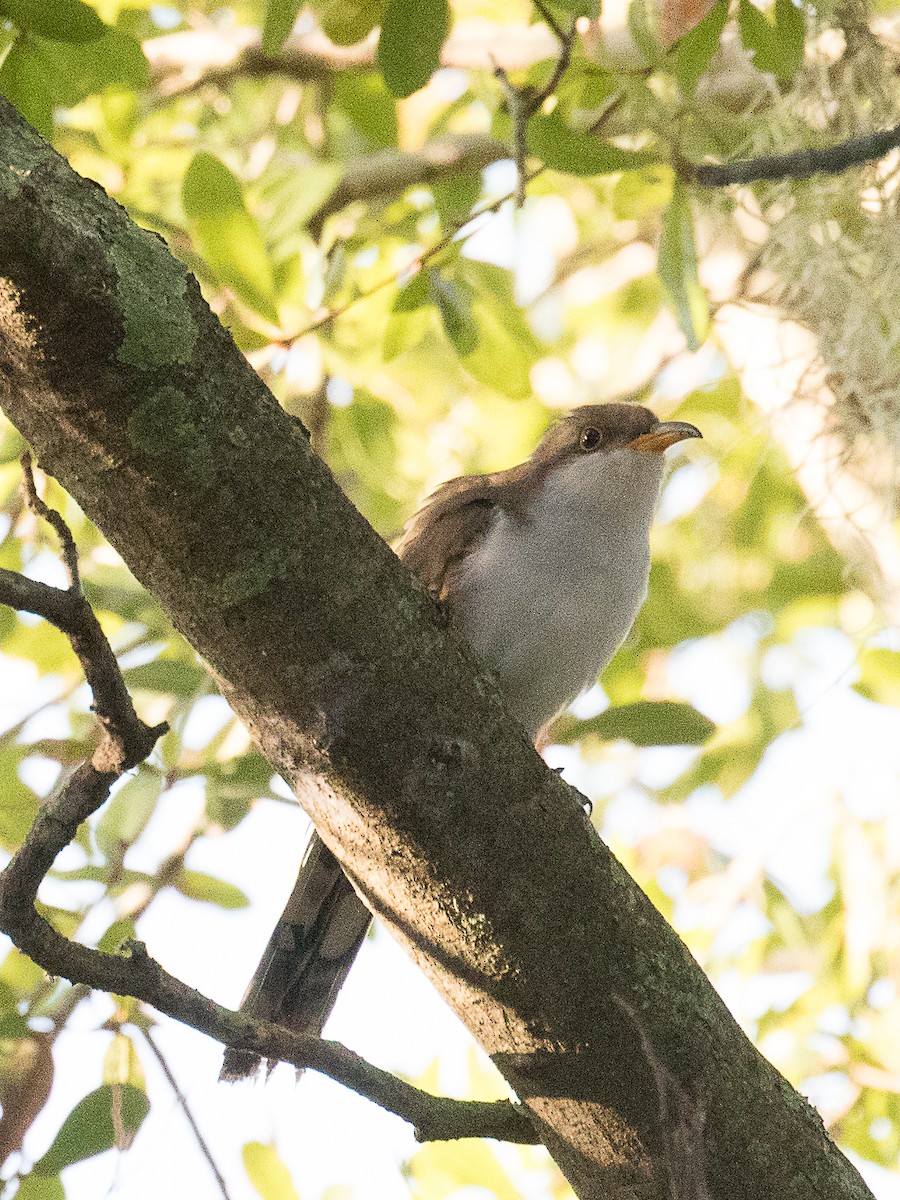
[{"x": 441, "y": 534}]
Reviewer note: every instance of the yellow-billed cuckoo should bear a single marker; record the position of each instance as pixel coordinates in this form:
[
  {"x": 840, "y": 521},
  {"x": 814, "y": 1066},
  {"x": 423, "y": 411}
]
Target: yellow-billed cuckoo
[{"x": 543, "y": 568}]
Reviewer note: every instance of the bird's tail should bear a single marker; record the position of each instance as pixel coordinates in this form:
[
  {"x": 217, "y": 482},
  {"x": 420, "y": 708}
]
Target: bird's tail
[{"x": 308, "y": 956}]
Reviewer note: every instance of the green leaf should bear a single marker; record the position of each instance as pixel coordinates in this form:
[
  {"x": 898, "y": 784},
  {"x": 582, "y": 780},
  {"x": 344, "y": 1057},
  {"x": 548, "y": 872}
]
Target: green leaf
[
  {"x": 173, "y": 675},
  {"x": 125, "y": 817},
  {"x": 61, "y": 20},
  {"x": 227, "y": 233},
  {"x": 505, "y": 350},
  {"x": 280, "y": 18},
  {"x": 117, "y": 935},
  {"x": 109, "y": 1116},
  {"x": 644, "y": 723},
  {"x": 693, "y": 53},
  {"x": 879, "y": 676},
  {"x": 775, "y": 39},
  {"x": 23, "y": 83},
  {"x": 39, "y": 75},
  {"x": 18, "y": 803},
  {"x": 370, "y": 106},
  {"x": 40, "y": 1187},
  {"x": 114, "y": 60},
  {"x": 410, "y": 317},
  {"x": 677, "y": 266},
  {"x": 267, "y": 1172},
  {"x": 558, "y": 146},
  {"x": 347, "y": 22},
  {"x": 485, "y": 326},
  {"x": 197, "y": 885},
  {"x": 454, "y": 303},
  {"x": 409, "y": 48}
]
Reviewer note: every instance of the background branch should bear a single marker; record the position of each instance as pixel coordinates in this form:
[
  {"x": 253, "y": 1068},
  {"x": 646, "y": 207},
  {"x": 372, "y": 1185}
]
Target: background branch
[
  {"x": 185, "y": 61},
  {"x": 798, "y": 164}
]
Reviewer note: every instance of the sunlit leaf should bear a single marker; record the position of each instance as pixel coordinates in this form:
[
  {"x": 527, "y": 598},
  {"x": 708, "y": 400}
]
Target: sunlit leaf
[
  {"x": 442, "y": 1169},
  {"x": 121, "y": 1064},
  {"x": 644, "y": 723},
  {"x": 40, "y": 1187},
  {"x": 267, "y": 1172},
  {"x": 486, "y": 326},
  {"x": 197, "y": 885},
  {"x": 227, "y": 233},
  {"x": 677, "y": 267},
  {"x": 775, "y": 38},
  {"x": 879, "y": 676},
  {"x": 559, "y": 146},
  {"x": 347, "y": 22},
  {"x": 410, "y": 317},
  {"x": 369, "y": 105}
]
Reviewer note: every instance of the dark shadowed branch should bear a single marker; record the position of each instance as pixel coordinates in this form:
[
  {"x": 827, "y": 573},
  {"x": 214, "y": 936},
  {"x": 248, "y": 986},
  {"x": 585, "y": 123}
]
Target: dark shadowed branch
[{"x": 799, "y": 164}]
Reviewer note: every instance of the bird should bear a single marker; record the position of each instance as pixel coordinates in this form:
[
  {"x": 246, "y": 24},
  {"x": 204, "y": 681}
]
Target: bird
[{"x": 543, "y": 568}]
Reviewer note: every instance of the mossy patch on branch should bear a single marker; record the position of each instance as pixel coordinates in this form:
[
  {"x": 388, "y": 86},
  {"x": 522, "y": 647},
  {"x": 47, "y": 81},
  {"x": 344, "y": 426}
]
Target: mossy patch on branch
[
  {"x": 159, "y": 330},
  {"x": 164, "y": 426}
]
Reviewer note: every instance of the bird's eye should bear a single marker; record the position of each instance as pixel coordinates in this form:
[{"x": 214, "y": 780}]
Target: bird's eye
[{"x": 590, "y": 439}]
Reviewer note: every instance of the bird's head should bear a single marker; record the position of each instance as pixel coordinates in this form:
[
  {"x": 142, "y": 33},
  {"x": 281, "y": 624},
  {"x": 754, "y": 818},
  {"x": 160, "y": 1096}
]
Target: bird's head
[{"x": 603, "y": 454}]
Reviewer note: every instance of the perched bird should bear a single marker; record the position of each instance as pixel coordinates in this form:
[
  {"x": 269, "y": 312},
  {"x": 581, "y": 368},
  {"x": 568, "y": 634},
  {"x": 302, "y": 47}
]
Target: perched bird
[{"x": 543, "y": 568}]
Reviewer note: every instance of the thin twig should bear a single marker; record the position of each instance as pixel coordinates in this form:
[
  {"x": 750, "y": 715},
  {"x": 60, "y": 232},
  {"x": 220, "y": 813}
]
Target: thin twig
[
  {"x": 516, "y": 102},
  {"x": 566, "y": 40},
  {"x": 186, "y": 1110},
  {"x": 524, "y": 102},
  {"x": 40, "y": 509}
]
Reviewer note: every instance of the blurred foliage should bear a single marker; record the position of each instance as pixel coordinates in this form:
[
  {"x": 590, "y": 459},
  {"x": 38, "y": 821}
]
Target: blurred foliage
[{"x": 351, "y": 220}]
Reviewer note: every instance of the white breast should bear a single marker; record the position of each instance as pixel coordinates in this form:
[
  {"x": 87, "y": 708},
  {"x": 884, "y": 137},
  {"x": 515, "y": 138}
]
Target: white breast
[{"x": 547, "y": 599}]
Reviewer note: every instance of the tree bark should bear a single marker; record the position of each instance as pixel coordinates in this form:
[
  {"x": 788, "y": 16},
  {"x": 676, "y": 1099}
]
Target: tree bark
[{"x": 477, "y": 857}]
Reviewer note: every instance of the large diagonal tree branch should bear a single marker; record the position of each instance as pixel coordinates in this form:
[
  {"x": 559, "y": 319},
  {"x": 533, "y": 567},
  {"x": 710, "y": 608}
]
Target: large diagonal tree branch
[{"x": 478, "y": 859}]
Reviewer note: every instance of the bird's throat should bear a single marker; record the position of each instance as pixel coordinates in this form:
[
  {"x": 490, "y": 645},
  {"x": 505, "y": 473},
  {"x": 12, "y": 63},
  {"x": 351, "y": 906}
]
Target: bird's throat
[{"x": 550, "y": 593}]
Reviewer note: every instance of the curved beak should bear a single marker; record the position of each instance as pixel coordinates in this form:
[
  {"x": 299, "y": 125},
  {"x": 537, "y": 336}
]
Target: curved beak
[{"x": 664, "y": 435}]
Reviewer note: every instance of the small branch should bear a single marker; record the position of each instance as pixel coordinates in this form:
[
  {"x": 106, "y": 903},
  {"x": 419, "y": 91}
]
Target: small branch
[
  {"x": 799, "y": 164},
  {"x": 524, "y": 102},
  {"x": 40, "y": 509},
  {"x": 137, "y": 975},
  {"x": 126, "y": 741},
  {"x": 202, "y": 1144},
  {"x": 389, "y": 173},
  {"x": 566, "y": 39}
]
